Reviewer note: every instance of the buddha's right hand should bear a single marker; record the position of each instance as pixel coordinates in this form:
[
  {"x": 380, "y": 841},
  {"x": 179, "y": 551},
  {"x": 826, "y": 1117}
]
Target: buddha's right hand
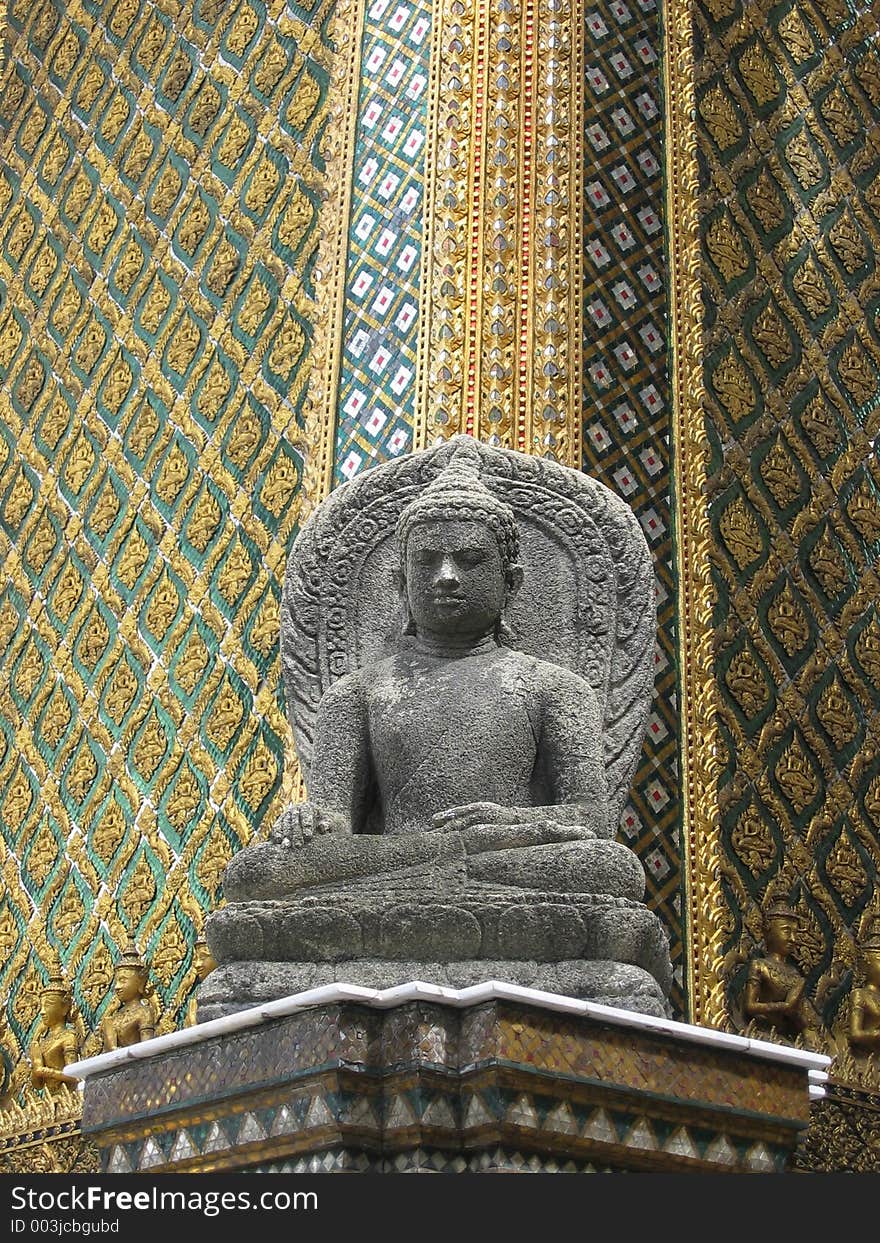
[
  {"x": 298, "y": 825},
  {"x": 483, "y": 838}
]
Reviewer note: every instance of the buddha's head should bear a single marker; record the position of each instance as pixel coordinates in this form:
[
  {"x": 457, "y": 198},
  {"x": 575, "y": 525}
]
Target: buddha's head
[
  {"x": 780, "y": 929},
  {"x": 459, "y": 554}
]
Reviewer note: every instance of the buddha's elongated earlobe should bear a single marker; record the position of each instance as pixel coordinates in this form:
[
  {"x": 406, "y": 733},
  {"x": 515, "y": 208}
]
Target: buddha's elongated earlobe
[{"x": 408, "y": 625}]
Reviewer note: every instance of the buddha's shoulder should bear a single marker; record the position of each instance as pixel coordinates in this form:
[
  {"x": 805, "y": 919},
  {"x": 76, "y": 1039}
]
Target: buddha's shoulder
[
  {"x": 359, "y": 682},
  {"x": 544, "y": 675}
]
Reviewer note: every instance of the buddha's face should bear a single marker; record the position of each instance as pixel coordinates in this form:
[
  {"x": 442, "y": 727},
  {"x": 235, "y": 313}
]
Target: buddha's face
[
  {"x": 780, "y": 934},
  {"x": 129, "y": 984},
  {"x": 455, "y": 578}
]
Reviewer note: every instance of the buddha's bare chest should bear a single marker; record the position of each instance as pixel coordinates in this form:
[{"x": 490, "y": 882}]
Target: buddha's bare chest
[{"x": 456, "y": 710}]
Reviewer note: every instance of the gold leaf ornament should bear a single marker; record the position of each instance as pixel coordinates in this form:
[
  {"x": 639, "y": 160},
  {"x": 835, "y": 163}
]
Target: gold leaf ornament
[
  {"x": 780, "y": 474},
  {"x": 17, "y": 801},
  {"x": 68, "y": 591},
  {"x": 797, "y": 777},
  {"x": 139, "y": 893},
  {"x": 296, "y": 219},
  {"x": 243, "y": 30},
  {"x": 867, "y": 651},
  {"x": 204, "y": 521},
  {"x": 184, "y": 799},
  {"x": 162, "y": 608},
  {"x": 82, "y": 772},
  {"x": 821, "y": 426},
  {"x": 225, "y": 716},
  {"x": 287, "y": 349},
  {"x": 796, "y": 36},
  {"x": 173, "y": 475},
  {"x": 94, "y": 639},
  {"x": 192, "y": 664},
  {"x": 263, "y": 186},
  {"x": 254, "y": 308},
  {"x": 740, "y": 532},
  {"x": 803, "y": 160},
  {"x": 56, "y": 718},
  {"x": 109, "y": 832},
  {"x": 845, "y": 870},
  {"x": 194, "y": 226},
  {"x": 864, "y": 512},
  {"x": 304, "y": 102},
  {"x": 234, "y": 576},
  {"x": 184, "y": 345},
  {"x": 827, "y": 564},
  {"x": 745, "y": 683},
  {"x": 259, "y": 775},
  {"x": 278, "y": 486},
  {"x": 809, "y": 286},
  {"x": 121, "y": 692},
  {"x": 118, "y": 385},
  {"x": 133, "y": 560},
  {"x": 150, "y": 748},
  {"x": 223, "y": 269},
  {"x": 846, "y": 241},
  {"x": 752, "y": 840}
]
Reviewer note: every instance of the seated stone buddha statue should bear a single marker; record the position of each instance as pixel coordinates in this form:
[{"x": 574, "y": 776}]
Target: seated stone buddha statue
[{"x": 463, "y": 791}]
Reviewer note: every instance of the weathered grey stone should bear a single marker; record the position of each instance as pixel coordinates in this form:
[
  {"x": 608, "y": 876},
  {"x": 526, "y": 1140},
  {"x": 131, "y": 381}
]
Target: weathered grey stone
[
  {"x": 493, "y": 924},
  {"x": 237, "y": 986},
  {"x": 429, "y": 932},
  {"x": 578, "y": 867},
  {"x": 467, "y": 644}
]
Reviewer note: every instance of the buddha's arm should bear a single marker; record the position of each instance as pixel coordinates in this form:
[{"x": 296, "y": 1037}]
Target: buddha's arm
[
  {"x": 341, "y": 774},
  {"x": 572, "y": 752}
]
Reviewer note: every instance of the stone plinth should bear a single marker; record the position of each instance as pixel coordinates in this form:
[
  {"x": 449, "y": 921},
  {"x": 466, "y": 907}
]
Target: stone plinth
[{"x": 494, "y": 1077}]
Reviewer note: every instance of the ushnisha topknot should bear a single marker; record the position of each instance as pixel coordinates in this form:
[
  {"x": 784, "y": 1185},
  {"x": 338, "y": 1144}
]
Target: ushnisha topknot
[{"x": 459, "y": 492}]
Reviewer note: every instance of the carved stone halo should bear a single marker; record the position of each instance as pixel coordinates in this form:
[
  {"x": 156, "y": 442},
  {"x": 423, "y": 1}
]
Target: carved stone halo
[{"x": 587, "y": 600}]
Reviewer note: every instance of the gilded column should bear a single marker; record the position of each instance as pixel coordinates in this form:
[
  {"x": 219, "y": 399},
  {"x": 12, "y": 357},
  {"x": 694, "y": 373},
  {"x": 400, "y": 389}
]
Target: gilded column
[{"x": 501, "y": 288}]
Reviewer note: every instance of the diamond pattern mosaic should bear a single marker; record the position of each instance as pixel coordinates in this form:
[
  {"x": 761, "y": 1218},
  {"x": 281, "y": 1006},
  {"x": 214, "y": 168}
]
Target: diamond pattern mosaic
[
  {"x": 378, "y": 373},
  {"x": 158, "y": 230},
  {"x": 626, "y": 390},
  {"x": 790, "y": 212}
]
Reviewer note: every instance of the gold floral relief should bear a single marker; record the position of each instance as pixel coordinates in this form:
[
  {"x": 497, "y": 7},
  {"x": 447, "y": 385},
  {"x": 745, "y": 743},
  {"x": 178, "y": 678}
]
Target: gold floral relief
[
  {"x": 132, "y": 271},
  {"x": 777, "y": 382}
]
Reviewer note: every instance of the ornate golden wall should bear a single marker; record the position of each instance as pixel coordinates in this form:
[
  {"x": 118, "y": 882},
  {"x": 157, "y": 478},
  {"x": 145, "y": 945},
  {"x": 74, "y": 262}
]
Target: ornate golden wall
[
  {"x": 159, "y": 195},
  {"x": 179, "y": 370},
  {"x": 773, "y": 241}
]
